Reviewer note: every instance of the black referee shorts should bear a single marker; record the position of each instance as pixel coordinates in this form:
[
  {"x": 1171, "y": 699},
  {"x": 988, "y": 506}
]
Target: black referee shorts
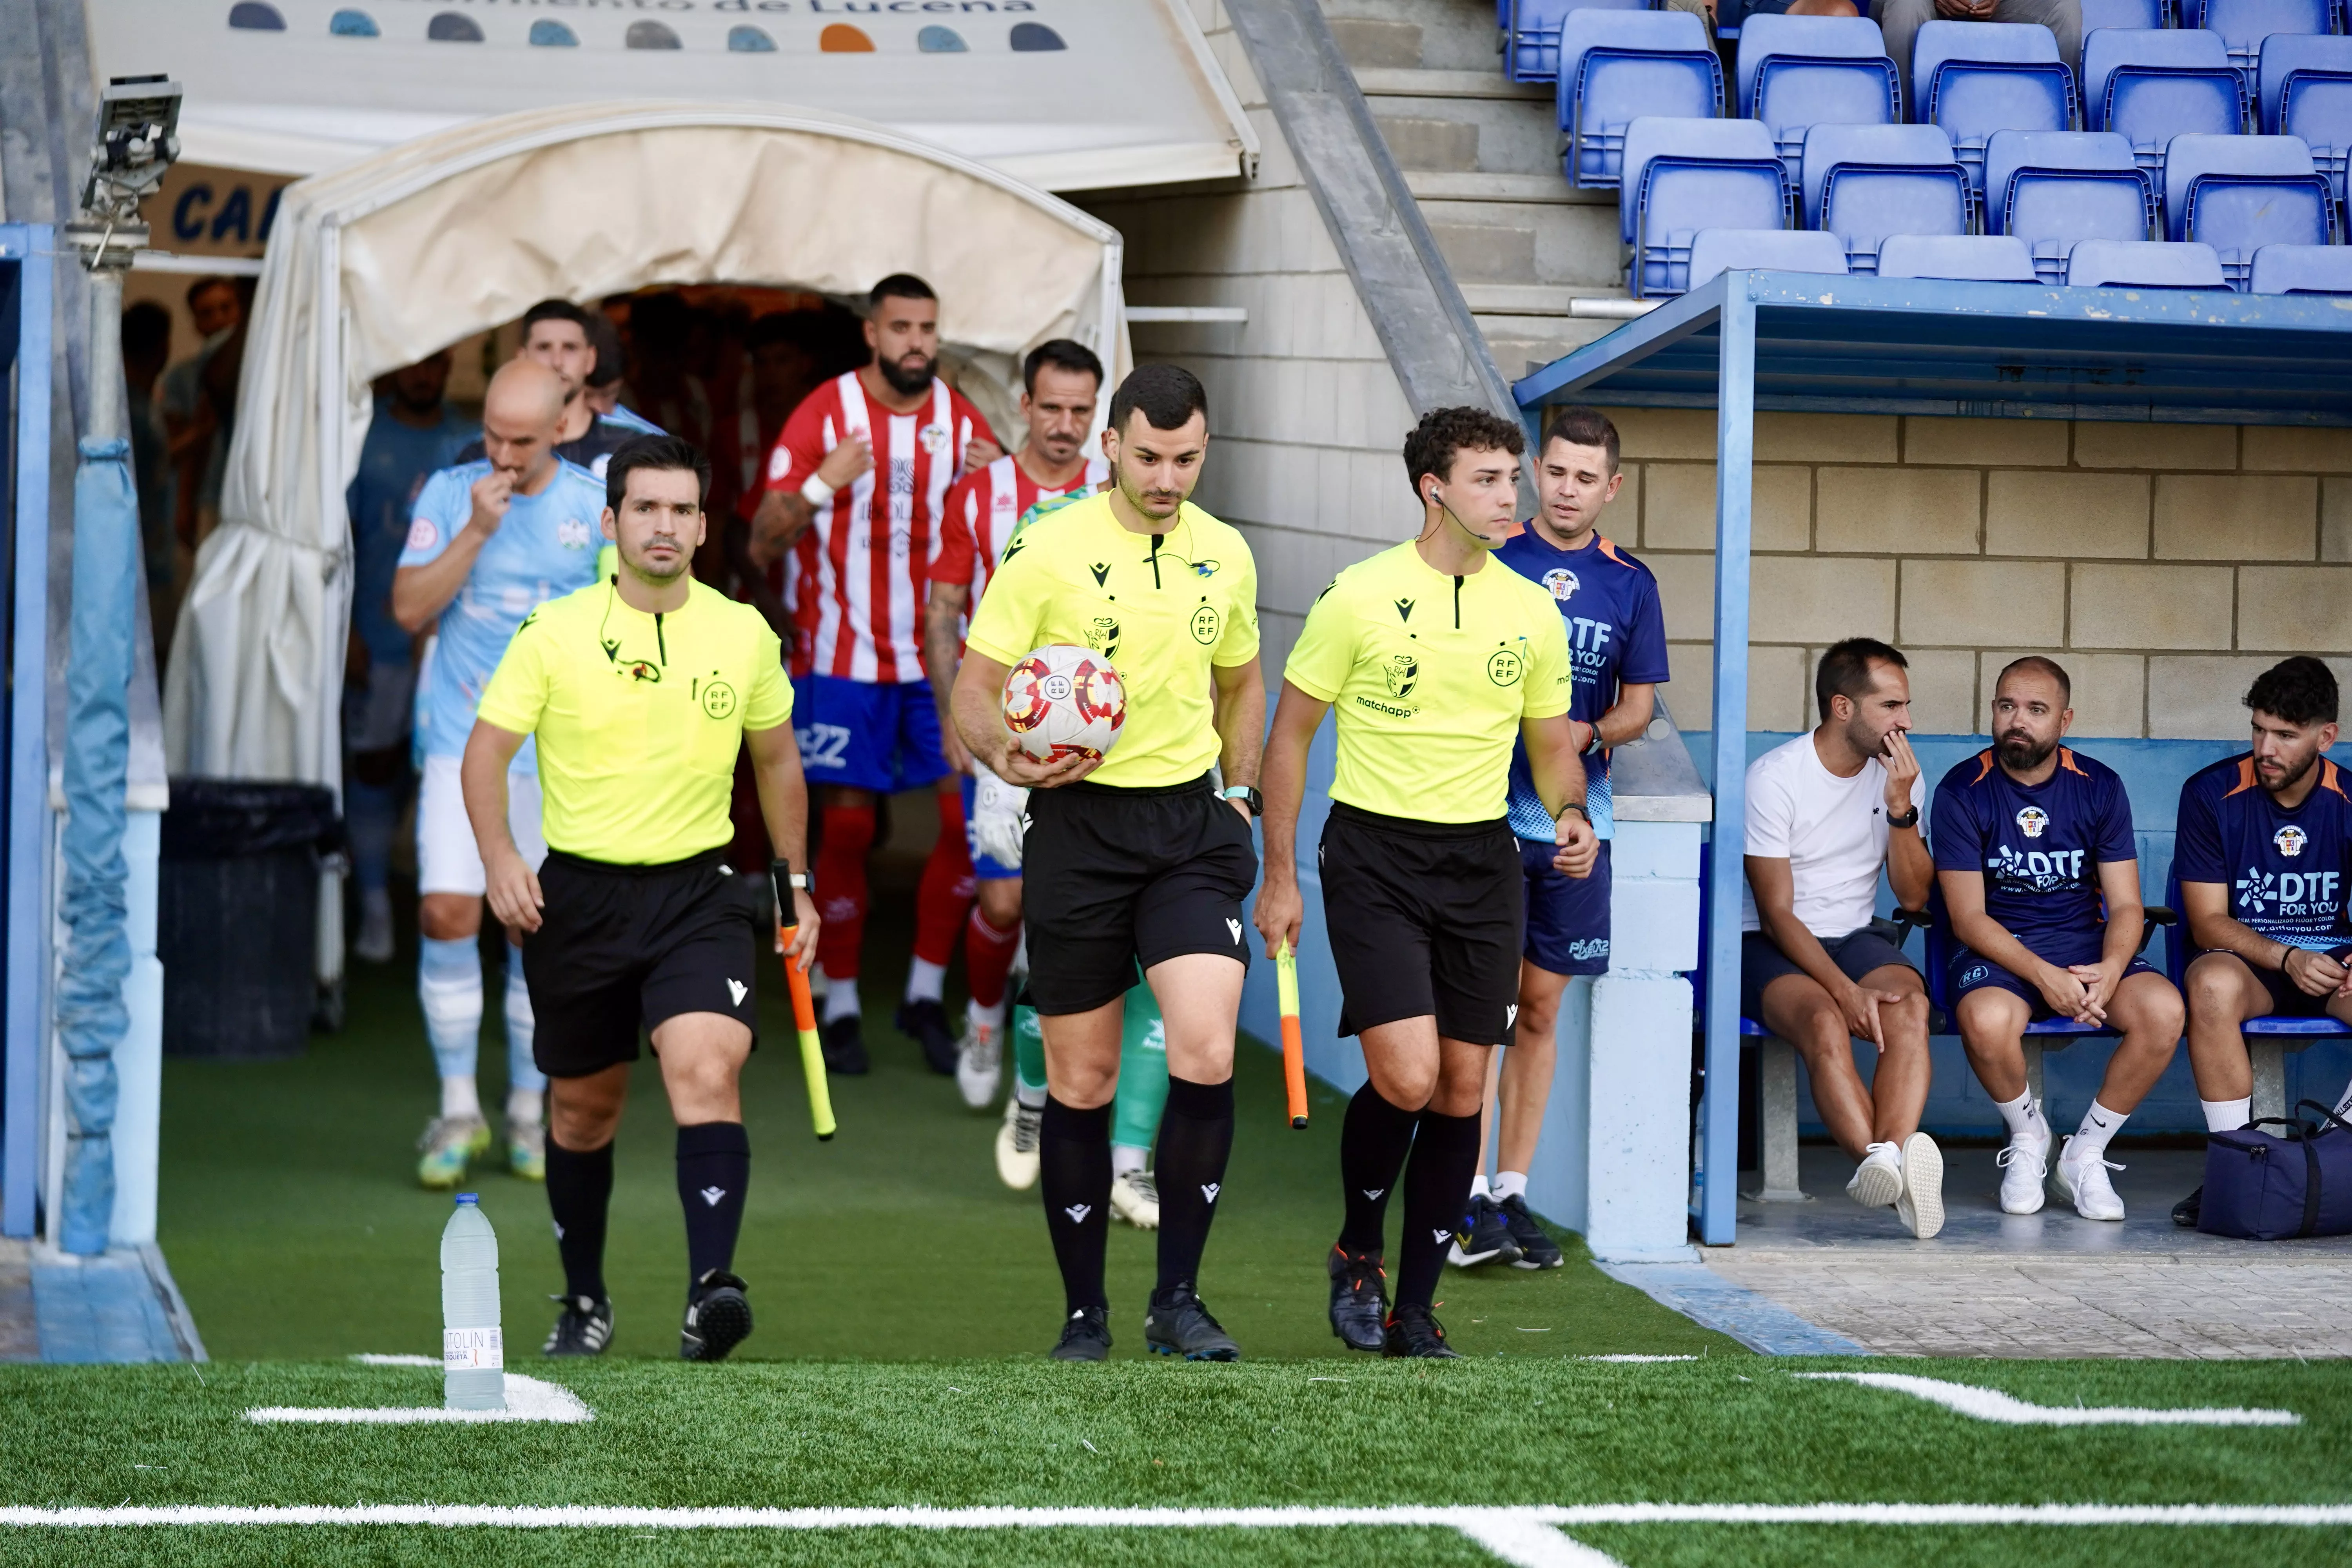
[
  {"x": 1113, "y": 877},
  {"x": 622, "y": 950},
  {"x": 1424, "y": 919}
]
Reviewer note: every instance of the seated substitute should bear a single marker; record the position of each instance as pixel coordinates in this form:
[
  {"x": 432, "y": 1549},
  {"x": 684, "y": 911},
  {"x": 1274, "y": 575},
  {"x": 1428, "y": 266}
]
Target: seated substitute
[
  {"x": 1432, "y": 660},
  {"x": 1825, "y": 813},
  {"x": 2264, "y": 836},
  {"x": 2031, "y": 839}
]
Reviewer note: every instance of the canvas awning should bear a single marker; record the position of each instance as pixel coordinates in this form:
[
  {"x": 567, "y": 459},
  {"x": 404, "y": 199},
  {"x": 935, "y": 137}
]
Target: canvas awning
[
  {"x": 404, "y": 253},
  {"x": 1061, "y": 94}
]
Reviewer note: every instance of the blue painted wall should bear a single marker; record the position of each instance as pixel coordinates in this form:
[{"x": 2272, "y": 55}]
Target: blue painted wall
[{"x": 2153, "y": 771}]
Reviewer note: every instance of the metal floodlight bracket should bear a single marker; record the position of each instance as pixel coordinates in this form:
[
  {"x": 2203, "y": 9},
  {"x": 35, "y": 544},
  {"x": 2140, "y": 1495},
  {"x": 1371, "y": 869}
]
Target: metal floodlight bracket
[{"x": 138, "y": 141}]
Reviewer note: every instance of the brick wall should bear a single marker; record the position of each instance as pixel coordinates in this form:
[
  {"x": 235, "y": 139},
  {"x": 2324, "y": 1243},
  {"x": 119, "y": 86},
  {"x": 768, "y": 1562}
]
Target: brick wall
[
  {"x": 2163, "y": 564},
  {"x": 1305, "y": 418}
]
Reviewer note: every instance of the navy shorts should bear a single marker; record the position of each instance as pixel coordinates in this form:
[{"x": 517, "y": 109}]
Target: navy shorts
[
  {"x": 2289, "y": 1000},
  {"x": 858, "y": 734},
  {"x": 1855, "y": 953},
  {"x": 1568, "y": 917},
  {"x": 984, "y": 867},
  {"x": 1968, "y": 973}
]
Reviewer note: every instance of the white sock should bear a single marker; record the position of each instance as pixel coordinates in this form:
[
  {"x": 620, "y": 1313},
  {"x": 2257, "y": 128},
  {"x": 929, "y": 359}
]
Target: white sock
[
  {"x": 985, "y": 1020},
  {"x": 925, "y": 979},
  {"x": 460, "y": 1096},
  {"x": 2022, "y": 1116},
  {"x": 1510, "y": 1184},
  {"x": 1126, "y": 1157},
  {"x": 2344, "y": 1105},
  {"x": 2227, "y": 1115},
  {"x": 841, "y": 998},
  {"x": 526, "y": 1105},
  {"x": 1478, "y": 1186},
  {"x": 1030, "y": 1099},
  {"x": 376, "y": 903},
  {"x": 2090, "y": 1142}
]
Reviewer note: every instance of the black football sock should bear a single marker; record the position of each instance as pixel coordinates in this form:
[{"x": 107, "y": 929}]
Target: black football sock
[
  {"x": 1437, "y": 1196},
  {"x": 1196, "y": 1134},
  {"x": 1074, "y": 1172},
  {"x": 714, "y": 1166},
  {"x": 1374, "y": 1139},
  {"x": 579, "y": 1189}
]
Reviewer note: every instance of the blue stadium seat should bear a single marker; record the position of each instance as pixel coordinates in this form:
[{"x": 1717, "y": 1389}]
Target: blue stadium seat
[
  {"x": 1796, "y": 72},
  {"x": 2306, "y": 91},
  {"x": 2238, "y": 194},
  {"x": 2143, "y": 264},
  {"x": 2150, "y": 87},
  {"x": 1531, "y": 34},
  {"x": 2097, "y": 14},
  {"x": 1980, "y": 258},
  {"x": 1615, "y": 64},
  {"x": 1715, "y": 250},
  {"x": 1682, "y": 175},
  {"x": 1975, "y": 78},
  {"x": 1863, "y": 183},
  {"x": 2052, "y": 189},
  {"x": 2244, "y": 24},
  {"x": 2300, "y": 270}
]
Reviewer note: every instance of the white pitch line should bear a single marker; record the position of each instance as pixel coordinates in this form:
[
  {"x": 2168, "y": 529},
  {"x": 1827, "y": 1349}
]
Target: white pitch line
[
  {"x": 1636, "y": 1360},
  {"x": 462, "y": 1515},
  {"x": 1992, "y": 1404},
  {"x": 1526, "y": 1542},
  {"x": 528, "y": 1399}
]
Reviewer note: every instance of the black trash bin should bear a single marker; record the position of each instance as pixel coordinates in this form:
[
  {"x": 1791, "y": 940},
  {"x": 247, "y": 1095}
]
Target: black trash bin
[{"x": 237, "y": 916}]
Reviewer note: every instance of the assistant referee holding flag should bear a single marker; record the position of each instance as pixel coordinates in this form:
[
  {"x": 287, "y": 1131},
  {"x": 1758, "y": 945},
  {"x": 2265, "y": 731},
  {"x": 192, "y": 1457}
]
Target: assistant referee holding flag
[
  {"x": 641, "y": 690},
  {"x": 1433, "y": 660},
  {"x": 1141, "y": 862}
]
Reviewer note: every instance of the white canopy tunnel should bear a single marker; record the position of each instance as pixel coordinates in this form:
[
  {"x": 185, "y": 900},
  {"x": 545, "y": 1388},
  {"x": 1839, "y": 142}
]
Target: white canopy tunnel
[{"x": 385, "y": 261}]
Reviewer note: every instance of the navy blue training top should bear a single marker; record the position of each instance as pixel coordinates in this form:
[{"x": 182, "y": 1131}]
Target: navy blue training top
[
  {"x": 2284, "y": 870},
  {"x": 2039, "y": 845}
]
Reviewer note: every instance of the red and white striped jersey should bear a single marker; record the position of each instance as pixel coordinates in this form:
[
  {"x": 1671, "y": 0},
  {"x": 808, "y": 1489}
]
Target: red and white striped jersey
[
  {"x": 859, "y": 572},
  {"x": 982, "y": 511}
]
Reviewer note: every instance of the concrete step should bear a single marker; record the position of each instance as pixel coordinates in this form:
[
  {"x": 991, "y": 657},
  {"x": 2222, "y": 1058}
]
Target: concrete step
[
  {"x": 1444, "y": 35},
  {"x": 1382, "y": 81},
  {"x": 1525, "y": 190}
]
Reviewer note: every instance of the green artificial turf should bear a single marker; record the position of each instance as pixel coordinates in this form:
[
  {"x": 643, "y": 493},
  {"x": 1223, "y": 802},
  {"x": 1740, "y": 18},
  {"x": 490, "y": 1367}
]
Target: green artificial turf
[
  {"x": 292, "y": 1221},
  {"x": 1498, "y": 1431}
]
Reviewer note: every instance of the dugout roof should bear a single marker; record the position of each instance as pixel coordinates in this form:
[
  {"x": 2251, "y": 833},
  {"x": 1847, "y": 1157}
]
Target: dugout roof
[
  {"x": 1811, "y": 342},
  {"x": 1063, "y": 94}
]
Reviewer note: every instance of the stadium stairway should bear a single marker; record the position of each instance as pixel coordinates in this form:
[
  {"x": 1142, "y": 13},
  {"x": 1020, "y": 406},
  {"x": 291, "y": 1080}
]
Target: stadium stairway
[{"x": 1480, "y": 156}]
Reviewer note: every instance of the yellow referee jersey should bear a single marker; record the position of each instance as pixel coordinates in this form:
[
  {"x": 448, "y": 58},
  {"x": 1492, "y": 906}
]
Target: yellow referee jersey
[
  {"x": 639, "y": 718},
  {"x": 1428, "y": 676},
  {"x": 1163, "y": 609}
]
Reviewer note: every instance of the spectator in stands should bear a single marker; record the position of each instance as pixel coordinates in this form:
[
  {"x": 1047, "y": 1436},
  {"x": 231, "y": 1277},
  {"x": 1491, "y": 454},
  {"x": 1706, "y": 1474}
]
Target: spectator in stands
[
  {"x": 1825, "y": 813},
  {"x": 1900, "y": 20},
  {"x": 414, "y": 435},
  {"x": 195, "y": 424},
  {"x": 146, "y": 345},
  {"x": 1728, "y": 13},
  {"x": 2040, "y": 875},
  {"x": 2261, "y": 860}
]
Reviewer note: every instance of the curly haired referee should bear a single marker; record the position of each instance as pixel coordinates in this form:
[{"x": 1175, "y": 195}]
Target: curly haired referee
[{"x": 641, "y": 690}]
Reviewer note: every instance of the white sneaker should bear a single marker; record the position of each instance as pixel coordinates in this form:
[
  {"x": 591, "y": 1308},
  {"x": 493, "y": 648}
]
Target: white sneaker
[
  {"x": 980, "y": 1062},
  {"x": 2024, "y": 1166},
  {"x": 1878, "y": 1179},
  {"x": 2084, "y": 1183},
  {"x": 374, "y": 943},
  {"x": 1135, "y": 1198},
  {"x": 1016, "y": 1145},
  {"x": 1920, "y": 1207}
]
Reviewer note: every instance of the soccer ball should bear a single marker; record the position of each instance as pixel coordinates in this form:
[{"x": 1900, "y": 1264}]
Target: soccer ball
[{"x": 1064, "y": 701}]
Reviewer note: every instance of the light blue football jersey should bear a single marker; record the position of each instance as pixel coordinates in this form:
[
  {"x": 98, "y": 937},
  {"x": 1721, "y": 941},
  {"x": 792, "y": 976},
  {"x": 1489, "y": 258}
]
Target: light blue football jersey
[{"x": 545, "y": 548}]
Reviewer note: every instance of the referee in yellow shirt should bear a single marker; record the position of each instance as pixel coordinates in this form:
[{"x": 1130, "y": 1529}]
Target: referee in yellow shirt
[
  {"x": 641, "y": 690},
  {"x": 1136, "y": 860},
  {"x": 1434, "y": 659}
]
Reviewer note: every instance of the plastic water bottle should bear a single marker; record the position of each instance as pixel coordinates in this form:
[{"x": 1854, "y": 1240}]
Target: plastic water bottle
[{"x": 473, "y": 1351}]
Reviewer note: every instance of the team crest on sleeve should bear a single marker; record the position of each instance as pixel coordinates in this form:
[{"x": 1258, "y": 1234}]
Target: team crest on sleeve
[
  {"x": 1561, "y": 583},
  {"x": 422, "y": 534},
  {"x": 780, "y": 463},
  {"x": 2290, "y": 841},
  {"x": 2032, "y": 821},
  {"x": 935, "y": 439}
]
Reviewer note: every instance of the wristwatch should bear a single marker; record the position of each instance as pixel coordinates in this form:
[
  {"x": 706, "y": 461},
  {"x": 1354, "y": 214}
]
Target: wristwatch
[
  {"x": 1577, "y": 807},
  {"x": 783, "y": 878},
  {"x": 1248, "y": 796},
  {"x": 1908, "y": 819}
]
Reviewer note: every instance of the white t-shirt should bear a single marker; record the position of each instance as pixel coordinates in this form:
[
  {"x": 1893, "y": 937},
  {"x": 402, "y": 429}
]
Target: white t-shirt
[{"x": 1831, "y": 831}]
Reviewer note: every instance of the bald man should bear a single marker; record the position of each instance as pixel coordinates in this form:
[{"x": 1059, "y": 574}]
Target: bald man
[{"x": 487, "y": 542}]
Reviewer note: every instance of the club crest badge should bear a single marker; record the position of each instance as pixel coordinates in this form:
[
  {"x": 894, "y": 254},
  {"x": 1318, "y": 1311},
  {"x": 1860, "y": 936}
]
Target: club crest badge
[
  {"x": 934, "y": 438},
  {"x": 1561, "y": 583},
  {"x": 1404, "y": 672},
  {"x": 2290, "y": 841},
  {"x": 2032, "y": 821}
]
